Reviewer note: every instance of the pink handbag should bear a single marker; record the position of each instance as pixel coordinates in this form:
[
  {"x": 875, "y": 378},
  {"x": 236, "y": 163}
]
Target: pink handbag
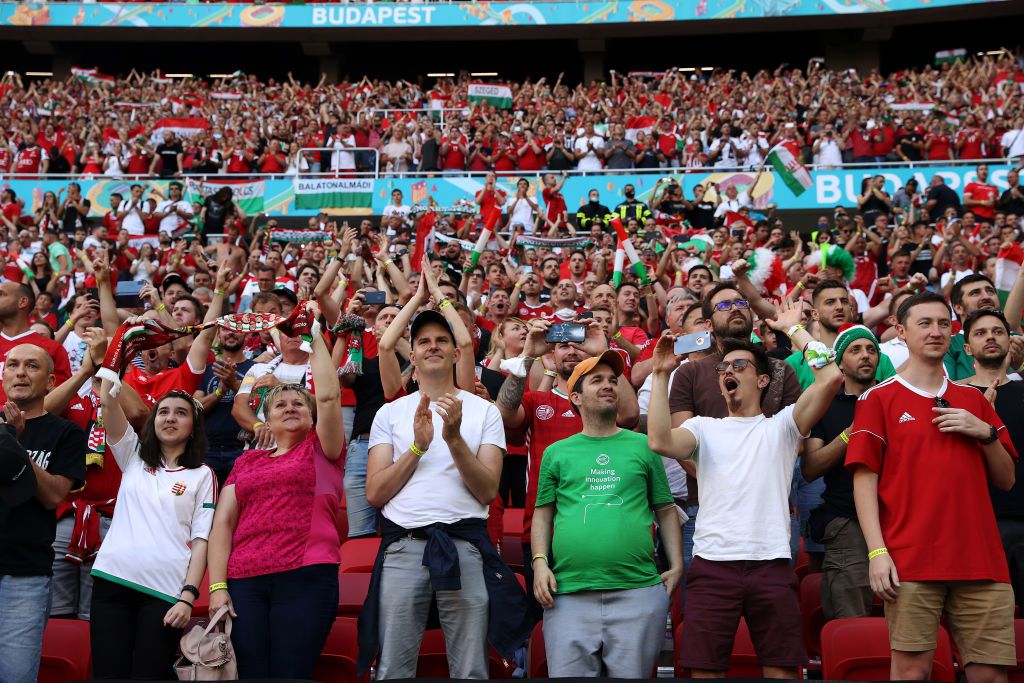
[{"x": 207, "y": 654}]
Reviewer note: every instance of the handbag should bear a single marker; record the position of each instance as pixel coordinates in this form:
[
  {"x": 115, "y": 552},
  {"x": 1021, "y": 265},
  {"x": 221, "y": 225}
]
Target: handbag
[{"x": 207, "y": 654}]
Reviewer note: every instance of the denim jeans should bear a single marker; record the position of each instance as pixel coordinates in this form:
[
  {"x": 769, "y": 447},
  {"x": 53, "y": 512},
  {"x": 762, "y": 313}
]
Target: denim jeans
[
  {"x": 72, "y": 582},
  {"x": 362, "y": 517},
  {"x": 24, "y": 609},
  {"x": 805, "y": 496}
]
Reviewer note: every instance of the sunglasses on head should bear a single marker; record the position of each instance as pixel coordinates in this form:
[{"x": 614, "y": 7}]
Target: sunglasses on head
[
  {"x": 941, "y": 402},
  {"x": 740, "y": 304},
  {"x": 737, "y": 365}
]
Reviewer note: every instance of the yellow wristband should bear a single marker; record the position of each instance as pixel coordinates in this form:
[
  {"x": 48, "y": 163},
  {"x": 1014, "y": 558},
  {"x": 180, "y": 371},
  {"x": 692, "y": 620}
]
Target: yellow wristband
[
  {"x": 214, "y": 587},
  {"x": 878, "y": 551},
  {"x": 444, "y": 304},
  {"x": 258, "y": 423},
  {"x": 550, "y": 373},
  {"x": 389, "y": 262},
  {"x": 791, "y": 331},
  {"x": 799, "y": 285},
  {"x": 69, "y": 323},
  {"x": 844, "y": 436},
  {"x": 161, "y": 307},
  {"x": 219, "y": 292},
  {"x": 538, "y": 556},
  {"x": 218, "y": 392},
  {"x": 617, "y": 335},
  {"x": 416, "y": 451}
]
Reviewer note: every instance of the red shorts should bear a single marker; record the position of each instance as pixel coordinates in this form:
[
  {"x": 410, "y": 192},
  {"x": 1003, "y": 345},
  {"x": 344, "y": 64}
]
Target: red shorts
[{"x": 765, "y": 592}]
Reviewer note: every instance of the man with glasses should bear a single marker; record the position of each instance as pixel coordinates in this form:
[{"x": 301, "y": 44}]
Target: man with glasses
[
  {"x": 741, "y": 546},
  {"x": 695, "y": 388},
  {"x": 923, "y": 452}
]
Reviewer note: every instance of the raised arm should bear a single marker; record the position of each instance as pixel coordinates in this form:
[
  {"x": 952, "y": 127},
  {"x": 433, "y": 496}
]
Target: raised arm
[
  {"x": 678, "y": 443},
  {"x": 747, "y": 288},
  {"x": 329, "y": 425},
  {"x": 465, "y": 369},
  {"x": 390, "y": 370}
]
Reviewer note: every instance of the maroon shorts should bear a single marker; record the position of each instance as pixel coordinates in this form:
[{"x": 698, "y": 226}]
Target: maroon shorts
[{"x": 719, "y": 593}]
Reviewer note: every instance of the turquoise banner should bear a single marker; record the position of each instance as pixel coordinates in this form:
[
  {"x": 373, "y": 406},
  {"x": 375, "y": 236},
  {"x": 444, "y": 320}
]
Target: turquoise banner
[
  {"x": 830, "y": 188},
  {"x": 454, "y": 14}
]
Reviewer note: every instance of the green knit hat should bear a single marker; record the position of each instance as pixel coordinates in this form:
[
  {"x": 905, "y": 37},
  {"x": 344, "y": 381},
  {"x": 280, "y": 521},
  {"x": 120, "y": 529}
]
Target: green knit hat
[{"x": 849, "y": 333}]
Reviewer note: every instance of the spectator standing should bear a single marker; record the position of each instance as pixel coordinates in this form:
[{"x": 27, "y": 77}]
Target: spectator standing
[
  {"x": 981, "y": 197},
  {"x": 16, "y": 304},
  {"x": 169, "y": 157},
  {"x": 845, "y": 589},
  {"x": 605, "y": 604},
  {"x": 274, "y": 544},
  {"x": 47, "y": 461},
  {"x": 433, "y": 470},
  {"x": 588, "y": 149},
  {"x": 221, "y": 382},
  {"x": 917, "y": 440}
]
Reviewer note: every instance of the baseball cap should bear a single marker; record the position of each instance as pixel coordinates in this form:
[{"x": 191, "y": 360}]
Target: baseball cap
[
  {"x": 586, "y": 366},
  {"x": 174, "y": 278},
  {"x": 17, "y": 479},
  {"x": 427, "y": 317}
]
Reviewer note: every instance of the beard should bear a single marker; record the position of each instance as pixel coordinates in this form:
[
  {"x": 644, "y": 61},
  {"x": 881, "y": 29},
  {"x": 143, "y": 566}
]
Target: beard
[
  {"x": 991, "y": 361},
  {"x": 730, "y": 330}
]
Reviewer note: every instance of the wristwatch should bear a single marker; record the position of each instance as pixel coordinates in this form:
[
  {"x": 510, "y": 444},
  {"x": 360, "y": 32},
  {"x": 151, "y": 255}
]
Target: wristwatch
[{"x": 993, "y": 434}]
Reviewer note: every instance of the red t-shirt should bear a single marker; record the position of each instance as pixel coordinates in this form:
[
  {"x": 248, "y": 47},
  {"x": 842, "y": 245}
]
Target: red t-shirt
[
  {"x": 29, "y": 160},
  {"x": 973, "y": 144},
  {"x": 554, "y": 203},
  {"x": 138, "y": 163},
  {"x": 922, "y": 472},
  {"x": 527, "y": 312},
  {"x": 61, "y": 365},
  {"x": 101, "y": 481},
  {"x": 939, "y": 150},
  {"x": 982, "y": 192},
  {"x": 530, "y": 160},
  {"x": 151, "y": 389},
  {"x": 454, "y": 159},
  {"x": 550, "y": 418}
]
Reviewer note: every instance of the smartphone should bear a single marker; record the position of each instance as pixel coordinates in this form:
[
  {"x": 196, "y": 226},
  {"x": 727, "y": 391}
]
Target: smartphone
[
  {"x": 527, "y": 269},
  {"x": 92, "y": 293},
  {"x": 738, "y": 234},
  {"x": 565, "y": 332},
  {"x": 688, "y": 343},
  {"x": 681, "y": 239},
  {"x": 586, "y": 315},
  {"x": 375, "y": 297},
  {"x": 127, "y": 293}
]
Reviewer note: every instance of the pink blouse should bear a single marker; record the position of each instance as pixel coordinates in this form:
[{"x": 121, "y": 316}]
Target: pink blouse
[{"x": 287, "y": 510}]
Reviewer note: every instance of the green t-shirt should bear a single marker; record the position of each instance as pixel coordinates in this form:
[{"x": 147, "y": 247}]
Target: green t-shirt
[
  {"x": 55, "y": 251},
  {"x": 604, "y": 490},
  {"x": 805, "y": 375},
  {"x": 959, "y": 364}
]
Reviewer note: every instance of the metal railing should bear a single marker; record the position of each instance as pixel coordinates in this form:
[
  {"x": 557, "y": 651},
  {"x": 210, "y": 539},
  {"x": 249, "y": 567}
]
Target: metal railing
[
  {"x": 376, "y": 173},
  {"x": 344, "y": 150}
]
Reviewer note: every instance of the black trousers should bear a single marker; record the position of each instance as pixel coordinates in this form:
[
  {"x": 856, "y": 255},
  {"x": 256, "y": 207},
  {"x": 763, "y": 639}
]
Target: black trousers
[
  {"x": 129, "y": 639},
  {"x": 512, "y": 487},
  {"x": 1011, "y": 529}
]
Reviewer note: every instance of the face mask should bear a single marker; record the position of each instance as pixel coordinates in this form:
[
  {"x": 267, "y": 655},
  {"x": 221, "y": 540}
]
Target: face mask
[
  {"x": 593, "y": 201},
  {"x": 629, "y": 194}
]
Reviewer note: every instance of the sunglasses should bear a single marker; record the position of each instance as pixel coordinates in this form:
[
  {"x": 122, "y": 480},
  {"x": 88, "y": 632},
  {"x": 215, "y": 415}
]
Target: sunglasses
[
  {"x": 740, "y": 304},
  {"x": 941, "y": 402},
  {"x": 737, "y": 365}
]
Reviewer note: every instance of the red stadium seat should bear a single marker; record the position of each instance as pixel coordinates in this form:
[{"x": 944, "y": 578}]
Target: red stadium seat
[
  {"x": 812, "y": 613},
  {"x": 337, "y": 663},
  {"x": 858, "y": 650},
  {"x": 433, "y": 660},
  {"x": 802, "y": 561},
  {"x": 352, "y": 587},
  {"x": 512, "y": 552},
  {"x": 513, "y": 522},
  {"x": 359, "y": 555},
  {"x": 1016, "y": 674},
  {"x": 537, "y": 655},
  {"x": 743, "y": 663},
  {"x": 341, "y": 524},
  {"x": 66, "y": 652}
]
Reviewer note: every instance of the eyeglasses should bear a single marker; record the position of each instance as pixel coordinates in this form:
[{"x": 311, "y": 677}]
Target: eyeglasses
[
  {"x": 740, "y": 304},
  {"x": 737, "y": 365},
  {"x": 941, "y": 402}
]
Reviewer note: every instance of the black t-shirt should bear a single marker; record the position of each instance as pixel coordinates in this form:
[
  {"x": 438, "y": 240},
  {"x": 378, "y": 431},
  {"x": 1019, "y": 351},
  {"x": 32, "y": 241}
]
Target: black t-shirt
[
  {"x": 169, "y": 156},
  {"x": 872, "y": 208},
  {"x": 559, "y": 161},
  {"x": 216, "y": 214},
  {"x": 26, "y": 536},
  {"x": 1010, "y": 409},
  {"x": 71, "y": 219},
  {"x": 369, "y": 395},
  {"x": 492, "y": 381},
  {"x": 428, "y": 155},
  {"x": 907, "y": 144},
  {"x": 944, "y": 198},
  {"x": 837, "y": 501},
  {"x": 703, "y": 215},
  {"x": 923, "y": 263},
  {"x": 1010, "y": 204},
  {"x": 221, "y": 428}
]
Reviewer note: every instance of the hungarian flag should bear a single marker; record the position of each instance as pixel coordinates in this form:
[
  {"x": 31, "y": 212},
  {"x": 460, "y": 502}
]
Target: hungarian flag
[
  {"x": 639, "y": 124},
  {"x": 226, "y": 96},
  {"x": 1008, "y": 263},
  {"x": 183, "y": 127},
  {"x": 498, "y": 96},
  {"x": 792, "y": 172},
  {"x": 626, "y": 249},
  {"x": 93, "y": 76},
  {"x": 424, "y": 232}
]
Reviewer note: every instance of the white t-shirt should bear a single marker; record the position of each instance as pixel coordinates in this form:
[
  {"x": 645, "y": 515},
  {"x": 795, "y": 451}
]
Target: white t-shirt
[
  {"x": 343, "y": 160},
  {"x": 673, "y": 469},
  {"x": 523, "y": 214},
  {"x": 402, "y": 210},
  {"x": 159, "y": 512},
  {"x": 728, "y": 155},
  {"x": 744, "y": 473},
  {"x": 435, "y": 492},
  {"x": 286, "y": 373},
  {"x": 587, "y": 158},
  {"x": 132, "y": 222},
  {"x": 1013, "y": 142},
  {"x": 959, "y": 275},
  {"x": 829, "y": 153},
  {"x": 896, "y": 350},
  {"x": 173, "y": 221}
]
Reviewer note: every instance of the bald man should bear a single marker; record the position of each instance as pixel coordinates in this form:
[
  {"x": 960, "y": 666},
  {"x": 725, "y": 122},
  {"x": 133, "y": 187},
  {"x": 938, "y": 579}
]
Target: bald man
[{"x": 56, "y": 448}]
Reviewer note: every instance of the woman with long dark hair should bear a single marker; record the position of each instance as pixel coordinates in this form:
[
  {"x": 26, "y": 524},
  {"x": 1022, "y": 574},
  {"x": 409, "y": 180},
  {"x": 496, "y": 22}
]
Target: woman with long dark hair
[{"x": 154, "y": 554}]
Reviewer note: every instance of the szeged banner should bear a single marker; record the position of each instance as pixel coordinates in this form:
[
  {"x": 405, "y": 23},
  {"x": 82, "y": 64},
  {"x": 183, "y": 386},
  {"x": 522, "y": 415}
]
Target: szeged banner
[
  {"x": 366, "y": 196},
  {"x": 453, "y": 14}
]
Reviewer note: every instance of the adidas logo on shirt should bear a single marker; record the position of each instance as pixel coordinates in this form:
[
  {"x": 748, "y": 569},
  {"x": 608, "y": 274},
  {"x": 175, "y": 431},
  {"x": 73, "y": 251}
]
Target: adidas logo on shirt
[
  {"x": 906, "y": 417},
  {"x": 568, "y": 413}
]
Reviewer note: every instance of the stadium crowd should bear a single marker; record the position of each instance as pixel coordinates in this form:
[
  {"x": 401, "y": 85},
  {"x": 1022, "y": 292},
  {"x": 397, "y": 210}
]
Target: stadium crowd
[
  {"x": 97, "y": 125},
  {"x": 190, "y": 417}
]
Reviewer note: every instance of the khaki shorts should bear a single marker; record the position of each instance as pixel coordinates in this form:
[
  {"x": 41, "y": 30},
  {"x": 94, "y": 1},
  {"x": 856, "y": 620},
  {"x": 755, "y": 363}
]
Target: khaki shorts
[{"x": 980, "y": 618}]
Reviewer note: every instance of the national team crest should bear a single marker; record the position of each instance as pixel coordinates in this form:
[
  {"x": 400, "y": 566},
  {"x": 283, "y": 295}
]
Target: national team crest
[
  {"x": 545, "y": 412},
  {"x": 178, "y": 488}
]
